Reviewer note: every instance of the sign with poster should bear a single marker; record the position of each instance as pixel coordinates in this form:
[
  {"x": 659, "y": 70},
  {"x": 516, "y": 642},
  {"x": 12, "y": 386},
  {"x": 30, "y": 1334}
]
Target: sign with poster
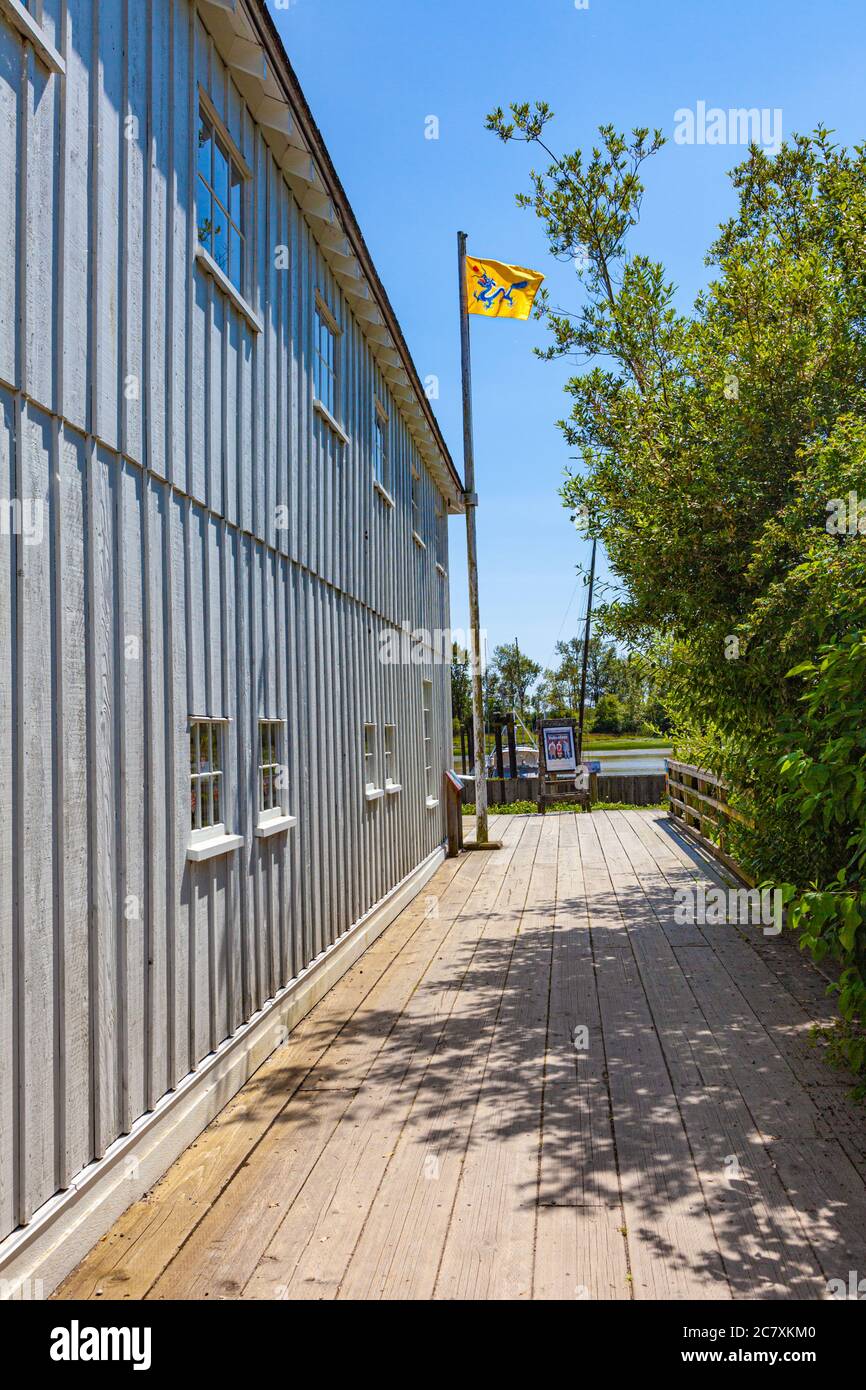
[
  {"x": 560, "y": 755},
  {"x": 561, "y": 779}
]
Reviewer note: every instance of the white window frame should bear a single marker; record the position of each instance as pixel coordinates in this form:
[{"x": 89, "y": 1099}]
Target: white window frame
[
  {"x": 273, "y": 819},
  {"x": 431, "y": 800},
  {"x": 236, "y": 290},
  {"x": 29, "y": 26},
  {"x": 330, "y": 411},
  {"x": 417, "y": 507},
  {"x": 206, "y": 841},
  {"x": 392, "y": 786},
  {"x": 382, "y": 452},
  {"x": 372, "y": 790},
  {"x": 441, "y": 535}
]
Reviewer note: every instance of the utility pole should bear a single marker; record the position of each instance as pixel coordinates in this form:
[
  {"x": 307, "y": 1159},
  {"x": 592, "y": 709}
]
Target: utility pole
[{"x": 585, "y": 657}]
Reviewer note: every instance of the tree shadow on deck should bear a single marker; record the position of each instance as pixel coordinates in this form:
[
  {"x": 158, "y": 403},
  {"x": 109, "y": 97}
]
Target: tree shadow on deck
[{"x": 611, "y": 1070}]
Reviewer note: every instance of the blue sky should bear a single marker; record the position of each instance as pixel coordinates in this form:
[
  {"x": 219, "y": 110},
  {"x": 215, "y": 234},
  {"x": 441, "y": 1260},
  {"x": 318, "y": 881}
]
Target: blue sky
[{"x": 374, "y": 72}]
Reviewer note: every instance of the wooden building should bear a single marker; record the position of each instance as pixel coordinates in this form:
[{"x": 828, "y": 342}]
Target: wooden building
[{"x": 222, "y": 493}]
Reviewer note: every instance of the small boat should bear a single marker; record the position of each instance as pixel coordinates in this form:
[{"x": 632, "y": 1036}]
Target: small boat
[{"x": 527, "y": 761}]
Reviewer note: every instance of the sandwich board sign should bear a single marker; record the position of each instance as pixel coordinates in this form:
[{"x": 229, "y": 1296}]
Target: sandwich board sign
[
  {"x": 560, "y": 753},
  {"x": 560, "y": 778}
]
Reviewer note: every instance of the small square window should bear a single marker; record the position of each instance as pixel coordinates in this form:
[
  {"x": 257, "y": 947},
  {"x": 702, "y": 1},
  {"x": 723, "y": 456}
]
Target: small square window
[
  {"x": 427, "y": 715},
  {"x": 325, "y": 360},
  {"x": 220, "y": 202},
  {"x": 371, "y": 761},
  {"x": 416, "y": 506},
  {"x": 381, "y": 459},
  {"x": 391, "y": 779},
  {"x": 272, "y": 769},
  {"x": 206, "y": 776},
  {"x": 441, "y": 534}
]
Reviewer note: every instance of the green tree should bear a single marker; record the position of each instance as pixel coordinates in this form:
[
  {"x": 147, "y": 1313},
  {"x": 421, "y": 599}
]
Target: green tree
[
  {"x": 714, "y": 446},
  {"x": 461, "y": 686},
  {"x": 610, "y": 716},
  {"x": 513, "y": 674}
]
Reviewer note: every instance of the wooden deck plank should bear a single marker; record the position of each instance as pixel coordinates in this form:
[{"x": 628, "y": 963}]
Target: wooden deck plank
[
  {"x": 399, "y": 1248},
  {"x": 310, "y": 1254},
  {"x": 578, "y": 1159},
  {"x": 534, "y": 1084},
  {"x": 673, "y": 1251},
  {"x": 764, "y": 1243},
  {"x": 490, "y": 1246},
  {"x": 225, "y": 1248},
  {"x": 132, "y": 1255}
]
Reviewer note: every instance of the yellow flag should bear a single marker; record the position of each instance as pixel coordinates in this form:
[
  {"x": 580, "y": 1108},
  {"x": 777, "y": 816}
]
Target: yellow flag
[{"x": 500, "y": 291}]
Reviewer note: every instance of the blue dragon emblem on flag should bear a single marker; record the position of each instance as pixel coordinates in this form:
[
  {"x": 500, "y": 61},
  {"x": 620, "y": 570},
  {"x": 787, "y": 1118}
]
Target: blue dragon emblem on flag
[{"x": 490, "y": 291}]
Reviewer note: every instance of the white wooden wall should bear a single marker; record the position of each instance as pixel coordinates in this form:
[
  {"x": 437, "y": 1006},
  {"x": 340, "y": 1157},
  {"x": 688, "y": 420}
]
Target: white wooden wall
[{"x": 159, "y": 529}]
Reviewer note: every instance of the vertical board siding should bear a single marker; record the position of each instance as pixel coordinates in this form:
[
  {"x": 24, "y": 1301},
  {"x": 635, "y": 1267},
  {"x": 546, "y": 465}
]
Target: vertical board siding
[
  {"x": 206, "y": 545},
  {"x": 9, "y": 731}
]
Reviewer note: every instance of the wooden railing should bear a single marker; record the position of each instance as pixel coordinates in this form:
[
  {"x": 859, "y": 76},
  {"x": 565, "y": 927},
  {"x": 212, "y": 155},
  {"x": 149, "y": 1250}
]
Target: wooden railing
[{"x": 699, "y": 801}]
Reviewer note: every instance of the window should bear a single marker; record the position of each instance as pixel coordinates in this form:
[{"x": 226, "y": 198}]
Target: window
[
  {"x": 273, "y": 812},
  {"x": 371, "y": 763},
  {"x": 325, "y": 361},
  {"x": 381, "y": 460},
  {"x": 441, "y": 535},
  {"x": 221, "y": 202},
  {"x": 208, "y": 834},
  {"x": 270, "y": 766},
  {"x": 391, "y": 783},
  {"x": 427, "y": 708},
  {"x": 416, "y": 508},
  {"x": 206, "y": 777}
]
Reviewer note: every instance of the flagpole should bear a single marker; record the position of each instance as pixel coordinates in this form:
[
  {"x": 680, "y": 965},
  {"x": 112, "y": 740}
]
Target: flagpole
[{"x": 471, "y": 502}]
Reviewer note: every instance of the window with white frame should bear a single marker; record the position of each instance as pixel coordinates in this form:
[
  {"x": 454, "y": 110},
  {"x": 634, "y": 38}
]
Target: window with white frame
[
  {"x": 416, "y": 506},
  {"x": 206, "y": 777},
  {"x": 381, "y": 459},
  {"x": 271, "y": 767},
  {"x": 221, "y": 201},
  {"x": 392, "y": 781},
  {"x": 441, "y": 534},
  {"x": 325, "y": 361},
  {"x": 371, "y": 762},
  {"x": 427, "y": 714}
]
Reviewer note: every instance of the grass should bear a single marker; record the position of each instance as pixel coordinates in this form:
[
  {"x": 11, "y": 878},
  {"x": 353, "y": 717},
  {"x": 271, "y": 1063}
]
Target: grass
[
  {"x": 609, "y": 741},
  {"x": 530, "y": 808},
  {"x": 592, "y": 742}
]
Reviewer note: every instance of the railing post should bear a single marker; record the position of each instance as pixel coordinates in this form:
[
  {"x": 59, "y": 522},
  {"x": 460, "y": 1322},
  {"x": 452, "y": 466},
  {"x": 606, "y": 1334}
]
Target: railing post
[{"x": 512, "y": 745}]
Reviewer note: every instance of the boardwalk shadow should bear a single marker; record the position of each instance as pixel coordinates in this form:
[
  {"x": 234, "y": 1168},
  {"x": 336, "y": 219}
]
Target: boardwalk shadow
[
  {"x": 615, "y": 1070},
  {"x": 550, "y": 1065}
]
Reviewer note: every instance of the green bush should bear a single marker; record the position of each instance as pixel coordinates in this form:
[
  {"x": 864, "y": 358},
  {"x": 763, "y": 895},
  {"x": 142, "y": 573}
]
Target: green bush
[
  {"x": 715, "y": 448},
  {"x": 609, "y": 715}
]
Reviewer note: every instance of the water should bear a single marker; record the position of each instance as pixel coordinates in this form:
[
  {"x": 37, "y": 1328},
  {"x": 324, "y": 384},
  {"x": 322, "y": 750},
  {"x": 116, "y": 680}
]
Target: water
[
  {"x": 630, "y": 762},
  {"x": 625, "y": 762}
]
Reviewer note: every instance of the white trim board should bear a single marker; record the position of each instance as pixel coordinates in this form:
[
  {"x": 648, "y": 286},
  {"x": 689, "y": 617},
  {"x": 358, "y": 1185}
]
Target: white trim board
[
  {"x": 67, "y": 1227},
  {"x": 30, "y": 30}
]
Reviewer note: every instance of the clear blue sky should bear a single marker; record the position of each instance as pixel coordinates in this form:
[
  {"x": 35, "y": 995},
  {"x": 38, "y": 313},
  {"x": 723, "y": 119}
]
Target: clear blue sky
[{"x": 373, "y": 72}]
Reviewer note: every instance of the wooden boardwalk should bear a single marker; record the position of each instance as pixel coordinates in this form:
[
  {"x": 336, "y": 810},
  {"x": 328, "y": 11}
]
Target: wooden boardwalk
[{"x": 436, "y": 1128}]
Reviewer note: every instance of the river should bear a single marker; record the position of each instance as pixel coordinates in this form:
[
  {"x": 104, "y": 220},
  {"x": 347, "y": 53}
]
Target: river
[{"x": 629, "y": 762}]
